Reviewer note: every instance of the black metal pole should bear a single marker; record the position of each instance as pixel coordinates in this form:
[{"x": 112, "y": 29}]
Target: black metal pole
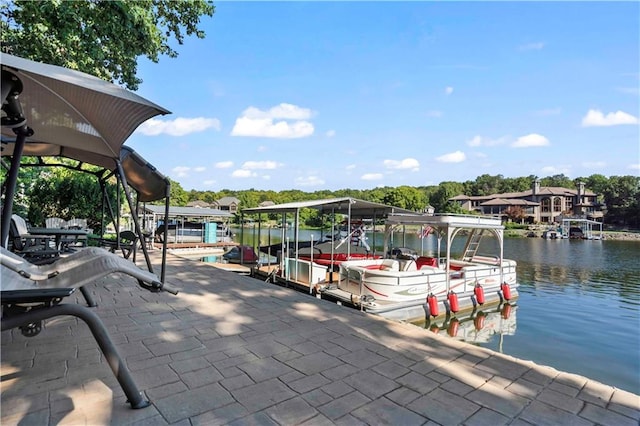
[{"x": 12, "y": 181}]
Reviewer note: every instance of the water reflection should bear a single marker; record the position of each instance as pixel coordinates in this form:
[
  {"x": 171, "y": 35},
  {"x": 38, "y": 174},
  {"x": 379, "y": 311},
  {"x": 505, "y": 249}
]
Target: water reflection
[{"x": 480, "y": 327}]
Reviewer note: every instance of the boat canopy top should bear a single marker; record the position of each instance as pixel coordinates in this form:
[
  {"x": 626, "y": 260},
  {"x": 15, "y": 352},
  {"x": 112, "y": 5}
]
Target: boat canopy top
[
  {"x": 447, "y": 221},
  {"x": 344, "y": 205}
]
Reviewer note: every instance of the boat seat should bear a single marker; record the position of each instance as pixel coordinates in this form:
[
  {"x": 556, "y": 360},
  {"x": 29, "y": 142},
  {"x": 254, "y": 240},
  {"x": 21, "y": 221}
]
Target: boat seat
[
  {"x": 390, "y": 265},
  {"x": 409, "y": 265}
]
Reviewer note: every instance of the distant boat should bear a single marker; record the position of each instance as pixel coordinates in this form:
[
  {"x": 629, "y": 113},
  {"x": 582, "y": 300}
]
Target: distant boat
[
  {"x": 241, "y": 255},
  {"x": 551, "y": 234}
]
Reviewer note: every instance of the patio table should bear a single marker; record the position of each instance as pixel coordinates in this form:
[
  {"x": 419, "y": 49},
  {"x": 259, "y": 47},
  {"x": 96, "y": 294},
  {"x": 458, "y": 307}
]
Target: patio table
[{"x": 58, "y": 233}]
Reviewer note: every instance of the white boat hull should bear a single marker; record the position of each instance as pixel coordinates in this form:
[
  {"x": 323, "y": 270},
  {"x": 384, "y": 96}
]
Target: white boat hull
[{"x": 403, "y": 295}]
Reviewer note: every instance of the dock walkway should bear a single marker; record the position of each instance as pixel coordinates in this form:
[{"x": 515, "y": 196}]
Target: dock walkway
[{"x": 230, "y": 349}]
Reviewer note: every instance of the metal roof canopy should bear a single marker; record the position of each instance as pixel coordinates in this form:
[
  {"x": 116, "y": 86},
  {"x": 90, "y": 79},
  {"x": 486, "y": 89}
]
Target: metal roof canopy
[
  {"x": 345, "y": 205},
  {"x": 175, "y": 211}
]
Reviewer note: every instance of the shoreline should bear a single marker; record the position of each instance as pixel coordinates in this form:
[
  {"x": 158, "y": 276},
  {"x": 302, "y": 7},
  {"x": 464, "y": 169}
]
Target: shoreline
[{"x": 606, "y": 235}]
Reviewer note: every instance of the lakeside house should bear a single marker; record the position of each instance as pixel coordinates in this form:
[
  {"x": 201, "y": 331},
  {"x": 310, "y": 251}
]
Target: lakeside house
[
  {"x": 225, "y": 204},
  {"x": 541, "y": 204}
]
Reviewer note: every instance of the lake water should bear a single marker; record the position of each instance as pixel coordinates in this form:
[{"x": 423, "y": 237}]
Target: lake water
[{"x": 579, "y": 304}]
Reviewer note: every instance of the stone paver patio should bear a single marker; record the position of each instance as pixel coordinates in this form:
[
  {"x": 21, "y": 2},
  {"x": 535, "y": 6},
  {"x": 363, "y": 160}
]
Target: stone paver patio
[{"x": 230, "y": 349}]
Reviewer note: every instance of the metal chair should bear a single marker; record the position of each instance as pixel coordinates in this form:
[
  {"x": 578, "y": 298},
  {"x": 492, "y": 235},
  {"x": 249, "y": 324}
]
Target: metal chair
[
  {"x": 37, "y": 249},
  {"x": 127, "y": 242}
]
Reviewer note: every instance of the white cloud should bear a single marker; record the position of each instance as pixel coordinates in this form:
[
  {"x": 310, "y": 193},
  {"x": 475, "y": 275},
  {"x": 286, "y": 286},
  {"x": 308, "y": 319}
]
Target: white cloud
[
  {"x": 532, "y": 46},
  {"x": 596, "y": 118},
  {"x": 331, "y": 133},
  {"x": 634, "y": 166},
  {"x": 258, "y": 123},
  {"x": 210, "y": 182},
  {"x": 242, "y": 173},
  {"x": 434, "y": 114},
  {"x": 530, "y": 140},
  {"x": 262, "y": 148},
  {"x": 263, "y": 165},
  {"x": 594, "y": 164},
  {"x": 371, "y": 176},
  {"x": 309, "y": 181},
  {"x": 448, "y": 90},
  {"x": 179, "y": 126},
  {"x": 453, "y": 157},
  {"x": 407, "y": 163},
  {"x": 181, "y": 171},
  {"x": 350, "y": 167},
  {"x": 483, "y": 141},
  {"x": 199, "y": 169},
  {"x": 223, "y": 164}
]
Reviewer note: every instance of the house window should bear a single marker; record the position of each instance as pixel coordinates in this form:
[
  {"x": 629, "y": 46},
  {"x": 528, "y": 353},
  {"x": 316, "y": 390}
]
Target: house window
[
  {"x": 557, "y": 205},
  {"x": 546, "y": 205}
]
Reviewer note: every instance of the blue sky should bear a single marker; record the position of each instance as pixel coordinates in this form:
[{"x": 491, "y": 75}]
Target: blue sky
[{"x": 333, "y": 95}]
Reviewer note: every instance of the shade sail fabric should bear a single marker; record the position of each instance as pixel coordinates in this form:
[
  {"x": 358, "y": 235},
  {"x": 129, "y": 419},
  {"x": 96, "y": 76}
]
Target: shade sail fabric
[
  {"x": 150, "y": 184},
  {"x": 79, "y": 116},
  {"x": 74, "y": 110}
]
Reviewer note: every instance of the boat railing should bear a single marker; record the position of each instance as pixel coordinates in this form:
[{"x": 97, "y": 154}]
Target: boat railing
[{"x": 470, "y": 274}]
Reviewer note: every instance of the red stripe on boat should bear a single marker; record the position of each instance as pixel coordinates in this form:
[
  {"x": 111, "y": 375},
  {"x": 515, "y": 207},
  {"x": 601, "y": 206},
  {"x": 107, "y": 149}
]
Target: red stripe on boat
[{"x": 373, "y": 291}]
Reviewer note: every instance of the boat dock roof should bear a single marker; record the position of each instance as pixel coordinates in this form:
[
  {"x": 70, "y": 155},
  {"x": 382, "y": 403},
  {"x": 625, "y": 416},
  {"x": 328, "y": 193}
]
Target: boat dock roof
[{"x": 344, "y": 205}]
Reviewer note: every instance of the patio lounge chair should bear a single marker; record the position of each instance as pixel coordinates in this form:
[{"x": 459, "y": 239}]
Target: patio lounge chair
[{"x": 32, "y": 293}]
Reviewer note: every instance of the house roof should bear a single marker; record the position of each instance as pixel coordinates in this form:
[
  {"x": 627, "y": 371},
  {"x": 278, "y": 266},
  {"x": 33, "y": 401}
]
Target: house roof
[
  {"x": 506, "y": 202},
  {"x": 544, "y": 191},
  {"x": 227, "y": 201}
]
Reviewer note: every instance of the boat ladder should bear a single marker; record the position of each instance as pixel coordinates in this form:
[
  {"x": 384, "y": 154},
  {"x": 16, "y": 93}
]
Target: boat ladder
[{"x": 473, "y": 243}]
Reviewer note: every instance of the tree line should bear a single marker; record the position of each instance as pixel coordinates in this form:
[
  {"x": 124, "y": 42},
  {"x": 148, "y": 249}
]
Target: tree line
[
  {"x": 64, "y": 192},
  {"x": 619, "y": 196}
]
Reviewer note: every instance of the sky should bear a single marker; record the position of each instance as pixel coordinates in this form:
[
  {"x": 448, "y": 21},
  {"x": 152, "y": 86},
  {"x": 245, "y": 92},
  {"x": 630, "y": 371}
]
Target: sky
[{"x": 333, "y": 95}]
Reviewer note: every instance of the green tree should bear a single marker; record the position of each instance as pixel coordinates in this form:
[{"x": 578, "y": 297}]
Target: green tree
[
  {"x": 100, "y": 37},
  {"x": 622, "y": 198},
  {"x": 179, "y": 197},
  {"x": 560, "y": 180},
  {"x": 405, "y": 197},
  {"x": 66, "y": 194},
  {"x": 440, "y": 199},
  {"x": 487, "y": 185}
]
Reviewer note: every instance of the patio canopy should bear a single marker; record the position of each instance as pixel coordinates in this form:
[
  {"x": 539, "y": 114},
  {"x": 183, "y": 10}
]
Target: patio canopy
[
  {"x": 51, "y": 110},
  {"x": 71, "y": 110}
]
